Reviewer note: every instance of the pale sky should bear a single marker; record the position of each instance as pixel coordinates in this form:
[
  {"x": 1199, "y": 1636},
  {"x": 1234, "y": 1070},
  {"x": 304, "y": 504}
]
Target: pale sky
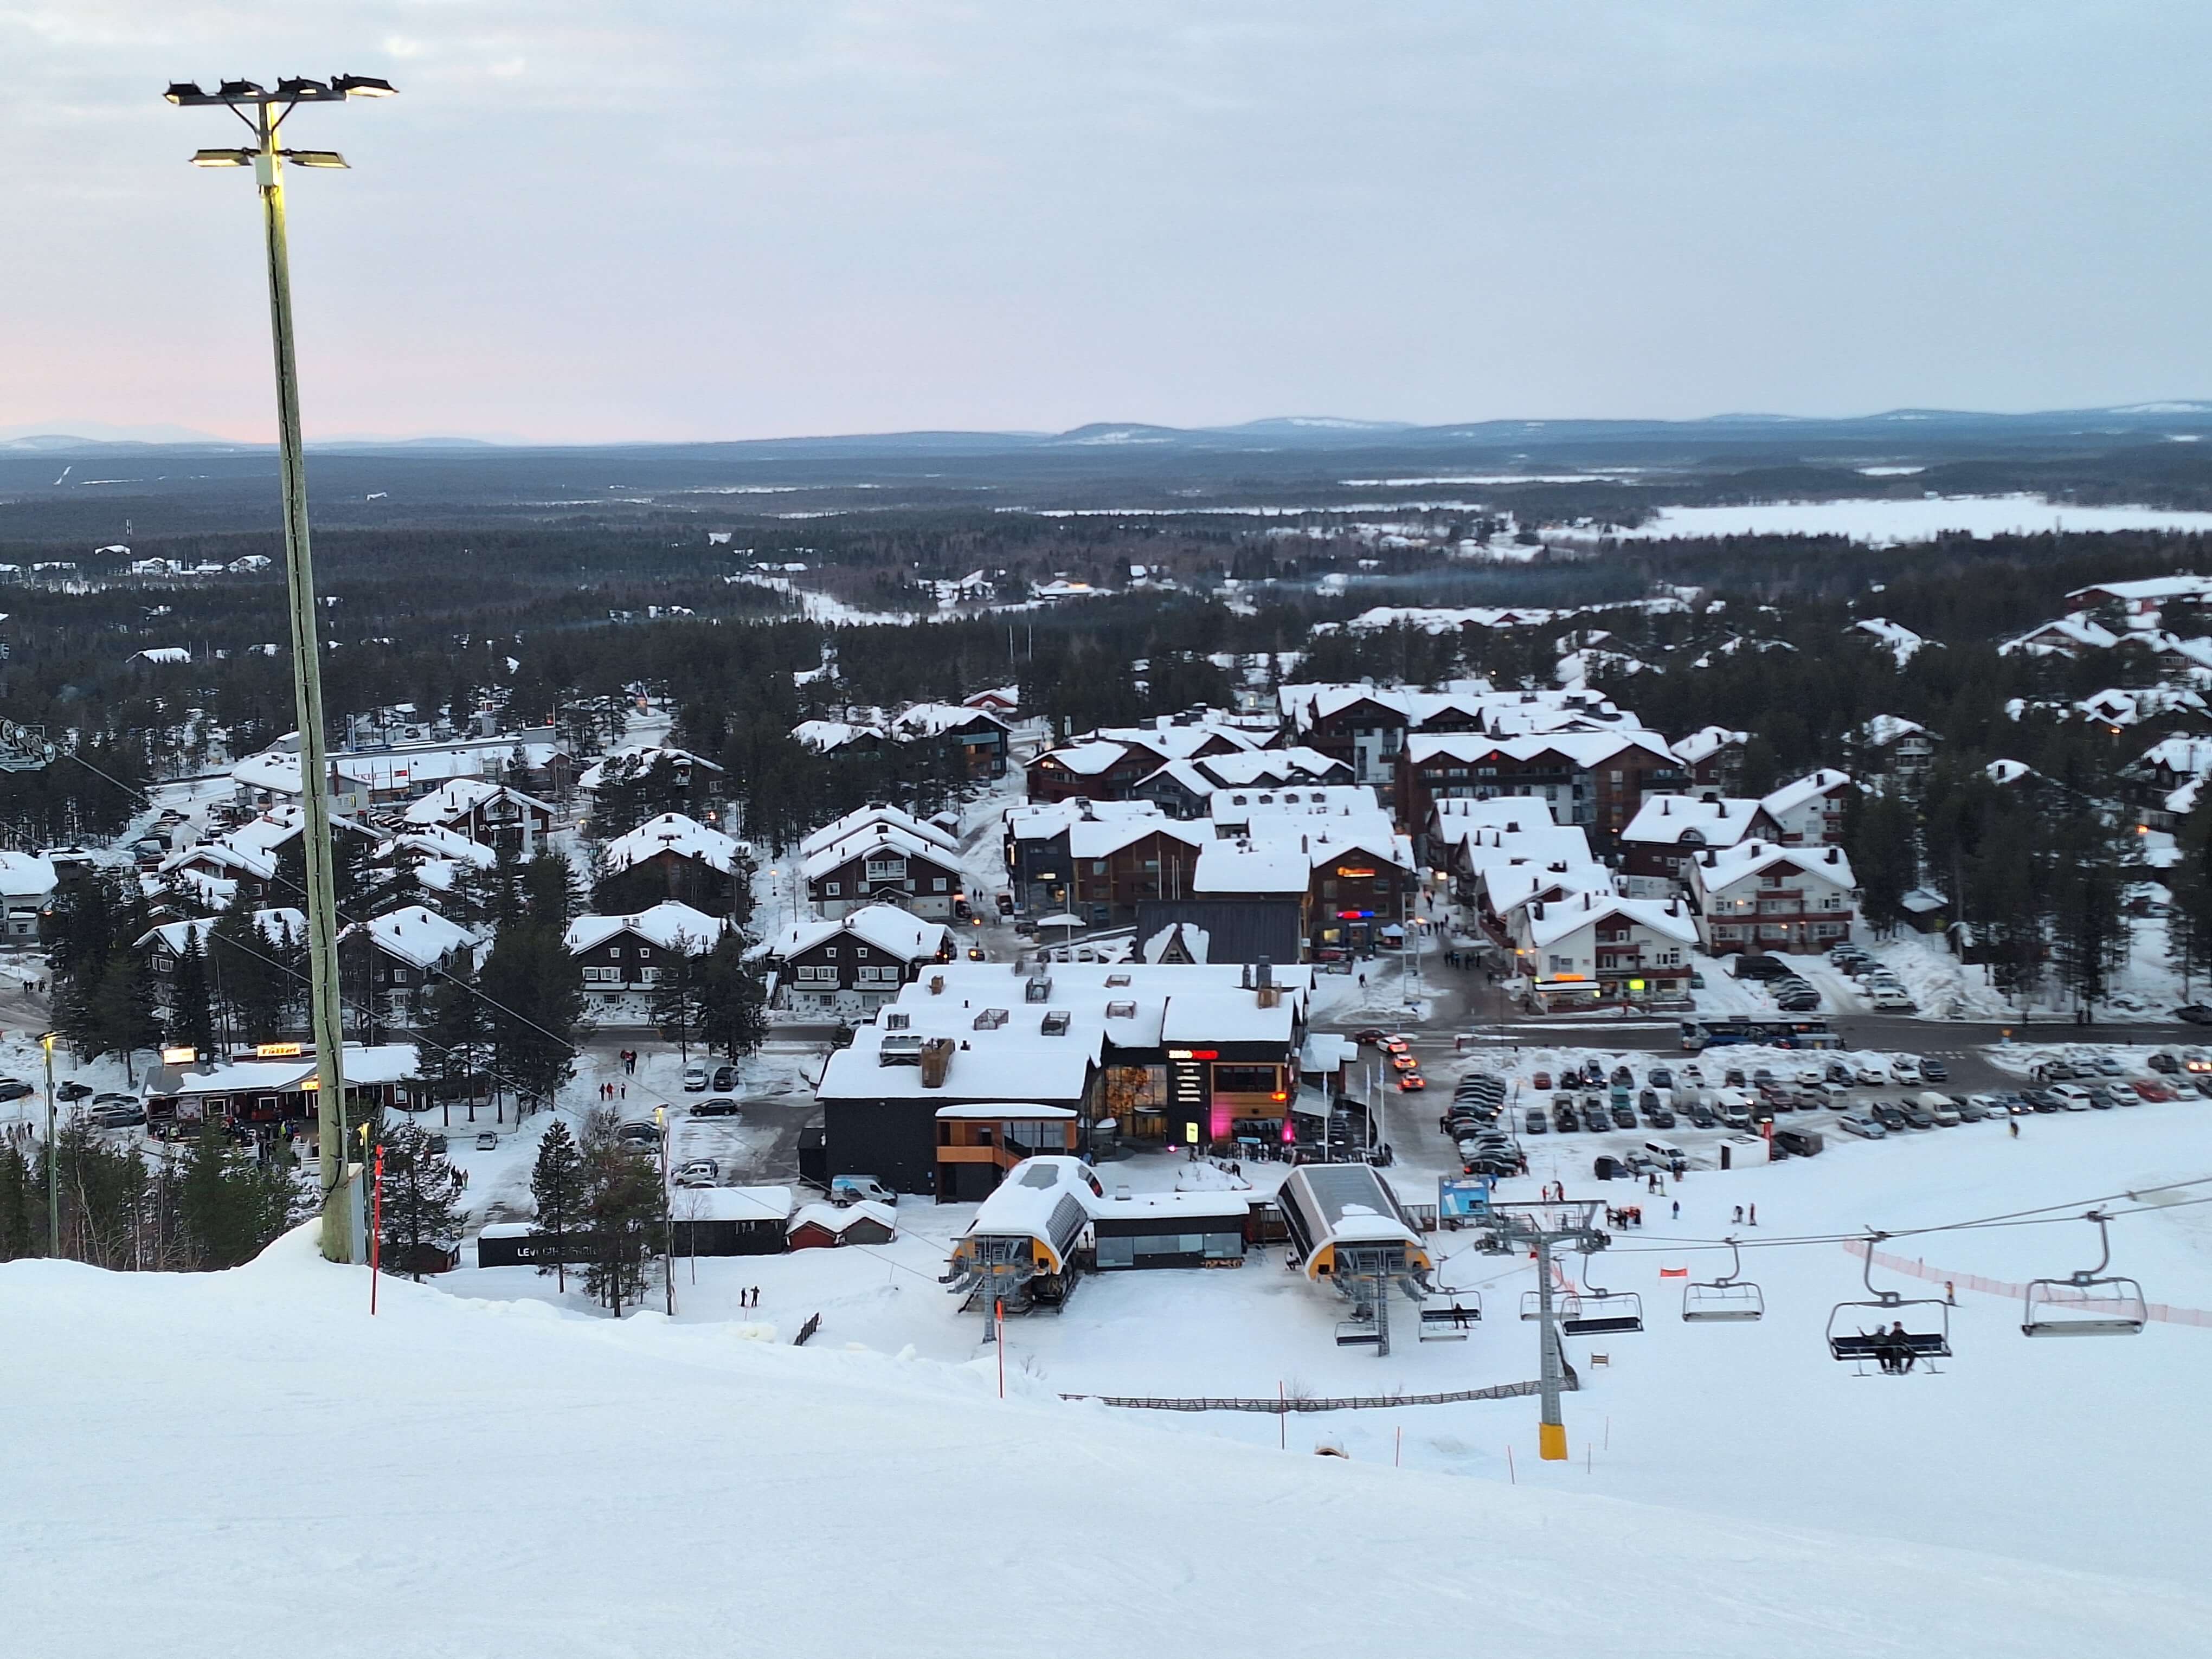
[{"x": 606, "y": 220}]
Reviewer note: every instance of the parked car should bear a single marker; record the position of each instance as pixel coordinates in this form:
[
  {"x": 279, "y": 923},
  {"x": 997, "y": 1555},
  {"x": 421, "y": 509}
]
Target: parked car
[
  {"x": 1973, "y": 1108},
  {"x": 1890, "y": 1117},
  {"x": 1660, "y": 1077},
  {"x": 2107, "y": 1065},
  {"x": 2149, "y": 1090},
  {"x": 1700, "y": 1115},
  {"x": 2041, "y": 1100},
  {"x": 1892, "y": 1002},
  {"x": 720, "y": 1106},
  {"x": 1935, "y": 1071},
  {"x": 2196, "y": 1013},
  {"x": 1732, "y": 1078},
  {"x": 694, "y": 1078},
  {"x": 14, "y": 1088},
  {"x": 1535, "y": 1123},
  {"x": 1903, "y": 1069},
  {"x": 2165, "y": 1061},
  {"x": 1866, "y": 1128},
  {"x": 1800, "y": 1143},
  {"x": 73, "y": 1090},
  {"x": 117, "y": 1116},
  {"x": 2073, "y": 1096},
  {"x": 1623, "y": 1076},
  {"x": 853, "y": 1188},
  {"x": 2106, "y": 1095},
  {"x": 1940, "y": 1108},
  {"x": 637, "y": 1134},
  {"x": 487, "y": 1140},
  {"x": 1867, "y": 1073},
  {"x": 698, "y": 1172},
  {"x": 1595, "y": 1120},
  {"x": 1541, "y": 1080},
  {"x": 1564, "y": 1119},
  {"x": 1624, "y": 1114},
  {"x": 726, "y": 1076},
  {"x": 1659, "y": 1117}
]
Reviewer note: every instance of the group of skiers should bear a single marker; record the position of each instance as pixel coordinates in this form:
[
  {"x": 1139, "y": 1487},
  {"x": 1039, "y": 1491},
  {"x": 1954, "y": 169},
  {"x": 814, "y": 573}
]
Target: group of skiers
[{"x": 1893, "y": 1348}]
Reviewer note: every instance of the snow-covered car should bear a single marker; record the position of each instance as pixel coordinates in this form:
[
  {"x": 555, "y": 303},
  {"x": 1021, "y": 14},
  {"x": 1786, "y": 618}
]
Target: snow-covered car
[
  {"x": 1867, "y": 1073},
  {"x": 1810, "y": 1076},
  {"x": 487, "y": 1140},
  {"x": 1905, "y": 1069},
  {"x": 2107, "y": 1065},
  {"x": 1694, "y": 1076},
  {"x": 1892, "y": 1002}
]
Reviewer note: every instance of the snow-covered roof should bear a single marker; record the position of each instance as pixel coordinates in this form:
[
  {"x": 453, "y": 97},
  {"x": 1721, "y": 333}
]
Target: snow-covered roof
[
  {"x": 163, "y": 653},
  {"x": 672, "y": 832},
  {"x": 1667, "y": 820},
  {"x": 1085, "y": 759},
  {"x": 457, "y": 797},
  {"x": 1024, "y": 1203},
  {"x": 825, "y": 736},
  {"x": 1703, "y": 743},
  {"x": 272, "y": 924},
  {"x": 1731, "y": 865},
  {"x": 932, "y": 720},
  {"x": 1098, "y": 838},
  {"x": 1820, "y": 782},
  {"x": 1243, "y": 866},
  {"x": 663, "y": 926},
  {"x": 1900, "y": 642},
  {"x": 1326, "y": 1051},
  {"x": 1241, "y": 804},
  {"x": 1507, "y": 887},
  {"x": 26, "y": 875},
  {"x": 876, "y": 838},
  {"x": 1546, "y": 924},
  {"x": 436, "y": 842},
  {"x": 2007, "y": 771},
  {"x": 1479, "y": 847},
  {"x": 388, "y": 1062},
  {"x": 836, "y": 1219},
  {"x": 2150, "y": 589},
  {"x": 885, "y": 926},
  {"x": 1498, "y": 812},
  {"x": 2063, "y": 636},
  {"x": 1585, "y": 750},
  {"x": 861, "y": 817},
  {"x": 1884, "y": 730},
  {"x": 415, "y": 934},
  {"x": 2187, "y": 757},
  {"x": 644, "y": 755},
  {"x": 1044, "y": 820},
  {"x": 730, "y": 1203}
]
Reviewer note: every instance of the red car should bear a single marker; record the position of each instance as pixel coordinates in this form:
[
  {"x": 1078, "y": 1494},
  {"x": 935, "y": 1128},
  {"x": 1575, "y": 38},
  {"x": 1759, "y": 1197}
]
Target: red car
[
  {"x": 2155, "y": 1091},
  {"x": 1541, "y": 1080},
  {"x": 1410, "y": 1081},
  {"x": 1404, "y": 1061}
]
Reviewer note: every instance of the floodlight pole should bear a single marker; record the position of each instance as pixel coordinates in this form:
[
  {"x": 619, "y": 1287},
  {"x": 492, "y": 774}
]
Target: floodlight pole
[
  {"x": 307, "y": 695},
  {"x": 264, "y": 113},
  {"x": 53, "y": 1158}
]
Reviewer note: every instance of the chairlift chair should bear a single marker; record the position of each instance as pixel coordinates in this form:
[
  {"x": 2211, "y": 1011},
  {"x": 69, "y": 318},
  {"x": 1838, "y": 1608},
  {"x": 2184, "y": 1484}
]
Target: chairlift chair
[
  {"x": 1854, "y": 1346},
  {"x": 1356, "y": 1333},
  {"x": 1449, "y": 1316},
  {"x": 2089, "y": 1302},
  {"x": 1727, "y": 1297},
  {"x": 1596, "y": 1311}
]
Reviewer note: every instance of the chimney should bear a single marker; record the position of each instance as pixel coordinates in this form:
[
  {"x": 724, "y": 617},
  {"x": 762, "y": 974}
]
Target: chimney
[
  {"x": 1666, "y": 806},
  {"x": 1832, "y": 855},
  {"x": 1709, "y": 860},
  {"x": 936, "y": 1061}
]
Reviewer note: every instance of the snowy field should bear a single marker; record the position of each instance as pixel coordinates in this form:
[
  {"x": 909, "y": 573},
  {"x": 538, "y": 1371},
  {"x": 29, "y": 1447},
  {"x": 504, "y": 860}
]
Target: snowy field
[
  {"x": 1883, "y": 522},
  {"x": 485, "y": 1478}
]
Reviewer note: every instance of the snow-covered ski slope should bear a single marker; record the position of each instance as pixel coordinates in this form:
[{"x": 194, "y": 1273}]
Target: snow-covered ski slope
[{"x": 244, "y": 1464}]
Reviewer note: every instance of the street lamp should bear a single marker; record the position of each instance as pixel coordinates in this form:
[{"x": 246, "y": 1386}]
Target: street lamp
[{"x": 264, "y": 113}]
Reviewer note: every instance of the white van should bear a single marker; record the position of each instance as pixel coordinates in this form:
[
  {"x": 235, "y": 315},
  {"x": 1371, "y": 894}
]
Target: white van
[
  {"x": 1939, "y": 1107},
  {"x": 1667, "y": 1152},
  {"x": 853, "y": 1188}
]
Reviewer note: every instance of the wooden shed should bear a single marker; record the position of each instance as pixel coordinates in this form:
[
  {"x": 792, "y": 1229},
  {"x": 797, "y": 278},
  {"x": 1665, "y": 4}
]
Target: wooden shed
[{"x": 825, "y": 1226}]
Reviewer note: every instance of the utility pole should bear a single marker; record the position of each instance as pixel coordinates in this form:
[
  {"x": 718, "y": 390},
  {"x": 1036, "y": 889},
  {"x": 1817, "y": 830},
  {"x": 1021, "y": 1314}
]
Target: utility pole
[{"x": 268, "y": 114}]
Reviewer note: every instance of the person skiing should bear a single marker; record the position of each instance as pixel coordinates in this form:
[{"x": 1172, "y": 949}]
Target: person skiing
[
  {"x": 1754, "y": 1216},
  {"x": 1739, "y": 1215},
  {"x": 2014, "y": 1126},
  {"x": 1950, "y": 1295},
  {"x": 1678, "y": 1209}
]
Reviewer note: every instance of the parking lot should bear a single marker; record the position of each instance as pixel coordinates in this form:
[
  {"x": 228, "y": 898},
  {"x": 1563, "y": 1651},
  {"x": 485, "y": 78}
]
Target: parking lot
[{"x": 1560, "y": 1109}]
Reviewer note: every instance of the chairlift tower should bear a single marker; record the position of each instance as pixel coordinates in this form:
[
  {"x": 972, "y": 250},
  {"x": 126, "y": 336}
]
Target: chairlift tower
[
  {"x": 1538, "y": 1229},
  {"x": 23, "y": 748}
]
